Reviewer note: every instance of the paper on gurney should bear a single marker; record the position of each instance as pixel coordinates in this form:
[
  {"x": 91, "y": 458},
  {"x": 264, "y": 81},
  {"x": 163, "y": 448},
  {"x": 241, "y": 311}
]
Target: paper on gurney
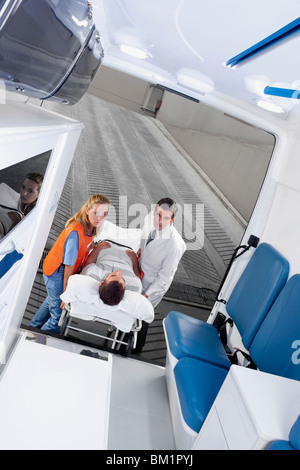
[{"x": 82, "y": 294}]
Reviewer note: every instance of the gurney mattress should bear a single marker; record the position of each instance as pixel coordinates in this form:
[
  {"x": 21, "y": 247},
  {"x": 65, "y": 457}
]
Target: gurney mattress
[{"x": 82, "y": 294}]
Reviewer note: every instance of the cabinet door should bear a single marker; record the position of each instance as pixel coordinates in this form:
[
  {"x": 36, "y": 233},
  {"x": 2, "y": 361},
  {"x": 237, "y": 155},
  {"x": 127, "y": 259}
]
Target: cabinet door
[
  {"x": 7, "y": 302},
  {"x": 211, "y": 436},
  {"x": 27, "y": 132}
]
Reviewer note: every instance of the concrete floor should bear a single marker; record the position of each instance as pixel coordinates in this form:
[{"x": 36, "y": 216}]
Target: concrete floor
[{"x": 129, "y": 158}]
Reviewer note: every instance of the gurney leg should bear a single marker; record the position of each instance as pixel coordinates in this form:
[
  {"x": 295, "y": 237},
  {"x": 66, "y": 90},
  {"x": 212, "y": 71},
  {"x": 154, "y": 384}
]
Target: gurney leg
[
  {"x": 121, "y": 339},
  {"x": 115, "y": 338},
  {"x": 64, "y": 322}
]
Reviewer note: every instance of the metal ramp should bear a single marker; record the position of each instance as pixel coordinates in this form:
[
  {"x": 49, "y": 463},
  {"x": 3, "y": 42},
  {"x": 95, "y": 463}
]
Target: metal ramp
[{"x": 125, "y": 156}]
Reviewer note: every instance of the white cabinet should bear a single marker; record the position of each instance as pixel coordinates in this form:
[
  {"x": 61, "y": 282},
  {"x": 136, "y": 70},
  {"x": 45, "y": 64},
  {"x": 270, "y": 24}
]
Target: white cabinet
[
  {"x": 51, "y": 399},
  {"x": 251, "y": 410},
  {"x": 27, "y": 131}
]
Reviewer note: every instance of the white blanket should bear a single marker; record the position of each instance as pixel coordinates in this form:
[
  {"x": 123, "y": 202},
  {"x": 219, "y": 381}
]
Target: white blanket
[
  {"x": 8, "y": 196},
  {"x": 130, "y": 237},
  {"x": 82, "y": 294}
]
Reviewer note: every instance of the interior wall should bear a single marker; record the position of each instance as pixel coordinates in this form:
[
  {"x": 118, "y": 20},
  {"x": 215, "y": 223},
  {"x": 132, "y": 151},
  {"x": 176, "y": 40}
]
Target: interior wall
[
  {"x": 233, "y": 155},
  {"x": 119, "y": 88}
]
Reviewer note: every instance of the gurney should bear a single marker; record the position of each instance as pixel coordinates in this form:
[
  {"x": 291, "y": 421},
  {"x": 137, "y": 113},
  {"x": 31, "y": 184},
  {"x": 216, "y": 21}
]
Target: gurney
[{"x": 82, "y": 302}]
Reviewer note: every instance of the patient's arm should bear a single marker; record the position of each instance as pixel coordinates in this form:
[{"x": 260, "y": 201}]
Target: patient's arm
[
  {"x": 135, "y": 262},
  {"x": 92, "y": 258}
]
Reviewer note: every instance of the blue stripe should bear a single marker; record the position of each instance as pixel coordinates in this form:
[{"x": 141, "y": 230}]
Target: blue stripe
[
  {"x": 279, "y": 35},
  {"x": 283, "y": 92}
]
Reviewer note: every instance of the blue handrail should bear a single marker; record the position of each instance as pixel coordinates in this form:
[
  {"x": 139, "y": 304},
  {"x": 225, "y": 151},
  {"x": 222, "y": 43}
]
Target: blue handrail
[
  {"x": 283, "y": 92},
  {"x": 269, "y": 41}
]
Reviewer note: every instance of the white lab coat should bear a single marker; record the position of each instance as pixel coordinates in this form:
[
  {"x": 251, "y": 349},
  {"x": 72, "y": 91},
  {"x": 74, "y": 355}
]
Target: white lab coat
[{"x": 159, "y": 259}]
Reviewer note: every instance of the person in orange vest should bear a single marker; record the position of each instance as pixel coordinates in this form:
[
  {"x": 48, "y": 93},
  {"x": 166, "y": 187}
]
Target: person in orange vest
[{"x": 67, "y": 257}]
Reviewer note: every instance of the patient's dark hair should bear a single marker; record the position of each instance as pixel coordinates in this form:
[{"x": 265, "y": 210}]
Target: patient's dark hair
[{"x": 111, "y": 293}]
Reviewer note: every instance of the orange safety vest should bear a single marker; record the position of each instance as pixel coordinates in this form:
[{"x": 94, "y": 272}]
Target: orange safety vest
[{"x": 55, "y": 256}]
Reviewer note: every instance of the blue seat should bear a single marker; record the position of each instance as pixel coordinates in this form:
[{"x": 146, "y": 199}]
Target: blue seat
[
  {"x": 259, "y": 285},
  {"x": 271, "y": 350},
  {"x": 198, "y": 384},
  {"x": 294, "y": 439},
  {"x": 190, "y": 337}
]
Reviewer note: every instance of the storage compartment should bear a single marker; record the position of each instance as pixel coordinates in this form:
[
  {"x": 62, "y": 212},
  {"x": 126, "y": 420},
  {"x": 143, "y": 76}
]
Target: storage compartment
[
  {"x": 28, "y": 133},
  {"x": 48, "y": 49}
]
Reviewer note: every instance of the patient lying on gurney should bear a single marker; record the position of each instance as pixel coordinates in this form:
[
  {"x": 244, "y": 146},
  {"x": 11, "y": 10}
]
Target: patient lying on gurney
[{"x": 114, "y": 267}]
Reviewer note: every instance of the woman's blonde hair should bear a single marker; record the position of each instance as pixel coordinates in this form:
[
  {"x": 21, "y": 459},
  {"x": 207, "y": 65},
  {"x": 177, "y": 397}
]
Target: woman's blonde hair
[{"x": 81, "y": 215}]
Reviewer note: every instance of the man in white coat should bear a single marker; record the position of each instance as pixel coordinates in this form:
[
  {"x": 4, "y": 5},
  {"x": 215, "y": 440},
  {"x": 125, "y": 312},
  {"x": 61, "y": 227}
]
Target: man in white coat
[{"x": 161, "y": 250}]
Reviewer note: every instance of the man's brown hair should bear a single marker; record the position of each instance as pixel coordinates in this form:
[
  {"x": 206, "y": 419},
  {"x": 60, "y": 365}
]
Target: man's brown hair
[{"x": 111, "y": 292}]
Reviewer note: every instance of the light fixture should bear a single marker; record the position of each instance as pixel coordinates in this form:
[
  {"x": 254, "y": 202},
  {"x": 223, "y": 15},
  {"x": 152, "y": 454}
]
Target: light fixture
[
  {"x": 132, "y": 42},
  {"x": 134, "y": 51},
  {"x": 270, "y": 106},
  {"x": 256, "y": 84},
  {"x": 259, "y": 84},
  {"x": 194, "y": 80}
]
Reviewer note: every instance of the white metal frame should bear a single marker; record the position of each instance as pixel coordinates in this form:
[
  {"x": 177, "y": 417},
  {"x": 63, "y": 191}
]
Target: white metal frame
[{"x": 66, "y": 319}]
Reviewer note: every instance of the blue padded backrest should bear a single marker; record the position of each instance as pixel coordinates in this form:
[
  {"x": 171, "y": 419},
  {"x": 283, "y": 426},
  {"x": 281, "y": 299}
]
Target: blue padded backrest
[
  {"x": 272, "y": 348},
  {"x": 294, "y": 436},
  {"x": 259, "y": 285},
  {"x": 294, "y": 439},
  {"x": 280, "y": 445}
]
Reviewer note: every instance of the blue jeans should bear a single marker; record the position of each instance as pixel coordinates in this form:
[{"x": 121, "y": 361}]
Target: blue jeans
[{"x": 48, "y": 315}]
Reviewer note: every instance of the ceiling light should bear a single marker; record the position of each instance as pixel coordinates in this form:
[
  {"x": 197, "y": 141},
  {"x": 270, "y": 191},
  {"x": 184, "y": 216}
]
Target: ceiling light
[
  {"x": 134, "y": 51},
  {"x": 270, "y": 106},
  {"x": 256, "y": 84},
  {"x": 133, "y": 42},
  {"x": 194, "y": 80}
]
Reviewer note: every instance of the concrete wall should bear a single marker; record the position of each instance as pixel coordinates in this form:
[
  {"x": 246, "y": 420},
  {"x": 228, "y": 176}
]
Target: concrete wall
[
  {"x": 119, "y": 88},
  {"x": 233, "y": 155}
]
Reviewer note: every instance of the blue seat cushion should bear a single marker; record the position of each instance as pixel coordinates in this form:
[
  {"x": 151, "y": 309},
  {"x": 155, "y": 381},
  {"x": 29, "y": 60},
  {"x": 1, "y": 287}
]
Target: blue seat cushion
[
  {"x": 272, "y": 348},
  {"x": 259, "y": 285},
  {"x": 198, "y": 384},
  {"x": 294, "y": 436},
  {"x": 294, "y": 439},
  {"x": 252, "y": 297},
  {"x": 280, "y": 445},
  {"x": 189, "y": 336}
]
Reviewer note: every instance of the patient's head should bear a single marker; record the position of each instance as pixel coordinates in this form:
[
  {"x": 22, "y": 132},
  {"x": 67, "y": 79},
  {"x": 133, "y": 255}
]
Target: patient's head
[{"x": 112, "y": 289}]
